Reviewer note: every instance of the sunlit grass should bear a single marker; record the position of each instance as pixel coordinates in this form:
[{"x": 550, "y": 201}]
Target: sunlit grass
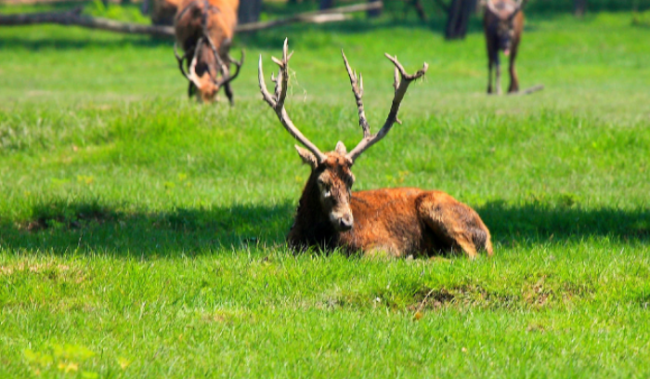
[{"x": 141, "y": 235}]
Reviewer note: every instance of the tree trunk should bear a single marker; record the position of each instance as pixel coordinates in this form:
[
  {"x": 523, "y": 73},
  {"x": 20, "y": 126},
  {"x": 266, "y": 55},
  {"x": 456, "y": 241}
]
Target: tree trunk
[
  {"x": 458, "y": 18},
  {"x": 419, "y": 9},
  {"x": 145, "y": 8},
  {"x": 579, "y": 7},
  {"x": 249, "y": 11}
]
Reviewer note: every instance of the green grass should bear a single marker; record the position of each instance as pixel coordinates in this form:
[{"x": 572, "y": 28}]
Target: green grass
[{"x": 141, "y": 235}]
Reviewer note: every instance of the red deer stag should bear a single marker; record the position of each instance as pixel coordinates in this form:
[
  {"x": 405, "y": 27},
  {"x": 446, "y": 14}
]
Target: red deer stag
[
  {"x": 503, "y": 22},
  {"x": 204, "y": 29},
  {"x": 397, "y": 221}
]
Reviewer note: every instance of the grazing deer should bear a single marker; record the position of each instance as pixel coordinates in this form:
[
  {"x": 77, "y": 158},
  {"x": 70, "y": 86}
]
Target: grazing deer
[
  {"x": 204, "y": 29},
  {"x": 398, "y": 221},
  {"x": 503, "y": 22}
]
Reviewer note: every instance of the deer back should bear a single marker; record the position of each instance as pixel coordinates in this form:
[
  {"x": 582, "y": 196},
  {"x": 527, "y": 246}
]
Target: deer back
[{"x": 221, "y": 21}]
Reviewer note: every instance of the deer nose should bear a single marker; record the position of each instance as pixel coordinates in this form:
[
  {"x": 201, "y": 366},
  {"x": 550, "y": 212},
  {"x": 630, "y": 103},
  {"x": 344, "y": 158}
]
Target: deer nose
[{"x": 346, "y": 222}]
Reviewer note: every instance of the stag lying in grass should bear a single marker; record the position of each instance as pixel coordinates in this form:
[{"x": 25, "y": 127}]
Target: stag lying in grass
[
  {"x": 204, "y": 29},
  {"x": 503, "y": 22},
  {"x": 397, "y": 221}
]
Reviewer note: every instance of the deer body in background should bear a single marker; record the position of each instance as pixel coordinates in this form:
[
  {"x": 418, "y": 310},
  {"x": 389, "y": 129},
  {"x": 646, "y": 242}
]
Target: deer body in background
[
  {"x": 162, "y": 11},
  {"x": 398, "y": 221},
  {"x": 503, "y": 22},
  {"x": 204, "y": 30}
]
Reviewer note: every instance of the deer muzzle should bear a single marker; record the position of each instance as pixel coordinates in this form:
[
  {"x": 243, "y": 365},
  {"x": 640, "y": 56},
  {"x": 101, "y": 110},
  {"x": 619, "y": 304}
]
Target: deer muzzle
[{"x": 342, "y": 221}]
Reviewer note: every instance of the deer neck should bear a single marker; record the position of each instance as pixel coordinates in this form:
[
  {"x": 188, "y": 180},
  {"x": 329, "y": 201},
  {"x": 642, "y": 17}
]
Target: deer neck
[{"x": 311, "y": 226}]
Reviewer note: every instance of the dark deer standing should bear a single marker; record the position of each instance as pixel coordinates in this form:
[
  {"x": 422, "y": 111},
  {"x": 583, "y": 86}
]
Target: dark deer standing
[
  {"x": 204, "y": 29},
  {"x": 398, "y": 221},
  {"x": 503, "y": 22}
]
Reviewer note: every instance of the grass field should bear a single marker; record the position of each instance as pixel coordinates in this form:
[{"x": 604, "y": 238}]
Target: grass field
[{"x": 141, "y": 234}]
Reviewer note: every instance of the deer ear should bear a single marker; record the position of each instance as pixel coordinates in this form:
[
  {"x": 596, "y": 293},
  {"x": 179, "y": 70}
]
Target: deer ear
[
  {"x": 340, "y": 148},
  {"x": 307, "y": 157}
]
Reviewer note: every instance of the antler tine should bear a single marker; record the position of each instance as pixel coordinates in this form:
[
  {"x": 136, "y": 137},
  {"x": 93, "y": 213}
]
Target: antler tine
[
  {"x": 265, "y": 92},
  {"x": 357, "y": 89},
  {"x": 491, "y": 7},
  {"x": 395, "y": 78},
  {"x": 225, "y": 71},
  {"x": 197, "y": 51},
  {"x": 180, "y": 60},
  {"x": 400, "y": 91},
  {"x": 238, "y": 65},
  {"x": 191, "y": 76},
  {"x": 277, "y": 102},
  {"x": 519, "y": 5},
  {"x": 214, "y": 50}
]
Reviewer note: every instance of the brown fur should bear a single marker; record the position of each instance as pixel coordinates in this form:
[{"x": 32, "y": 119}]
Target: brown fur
[
  {"x": 163, "y": 11},
  {"x": 503, "y": 31},
  {"x": 397, "y": 221},
  {"x": 221, "y": 23}
]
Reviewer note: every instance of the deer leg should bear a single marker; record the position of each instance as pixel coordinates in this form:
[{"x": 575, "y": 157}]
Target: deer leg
[
  {"x": 191, "y": 89},
  {"x": 514, "y": 80},
  {"x": 490, "y": 64},
  {"x": 455, "y": 226},
  {"x": 498, "y": 75},
  {"x": 229, "y": 94}
]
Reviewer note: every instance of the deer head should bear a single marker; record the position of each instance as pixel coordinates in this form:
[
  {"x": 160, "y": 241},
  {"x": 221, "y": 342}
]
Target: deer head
[
  {"x": 505, "y": 12},
  {"x": 330, "y": 183},
  {"x": 207, "y": 85}
]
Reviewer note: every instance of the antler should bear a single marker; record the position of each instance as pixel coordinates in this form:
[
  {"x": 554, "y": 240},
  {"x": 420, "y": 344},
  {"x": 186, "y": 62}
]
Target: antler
[
  {"x": 180, "y": 59},
  {"x": 225, "y": 71},
  {"x": 357, "y": 89},
  {"x": 192, "y": 67},
  {"x": 518, "y": 6},
  {"x": 277, "y": 100},
  {"x": 227, "y": 78},
  {"x": 400, "y": 85},
  {"x": 491, "y": 7}
]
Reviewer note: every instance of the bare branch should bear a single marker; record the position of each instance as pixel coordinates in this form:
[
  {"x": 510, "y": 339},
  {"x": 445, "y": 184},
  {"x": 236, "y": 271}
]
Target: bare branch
[
  {"x": 400, "y": 91},
  {"x": 277, "y": 102},
  {"x": 309, "y": 17},
  {"x": 74, "y": 18}
]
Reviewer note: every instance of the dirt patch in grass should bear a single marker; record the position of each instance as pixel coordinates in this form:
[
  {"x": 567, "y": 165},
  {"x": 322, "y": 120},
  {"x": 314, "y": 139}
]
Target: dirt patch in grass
[{"x": 431, "y": 299}]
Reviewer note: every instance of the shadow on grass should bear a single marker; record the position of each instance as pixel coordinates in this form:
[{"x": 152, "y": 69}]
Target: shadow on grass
[
  {"x": 74, "y": 43},
  {"x": 92, "y": 228},
  {"x": 538, "y": 222}
]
